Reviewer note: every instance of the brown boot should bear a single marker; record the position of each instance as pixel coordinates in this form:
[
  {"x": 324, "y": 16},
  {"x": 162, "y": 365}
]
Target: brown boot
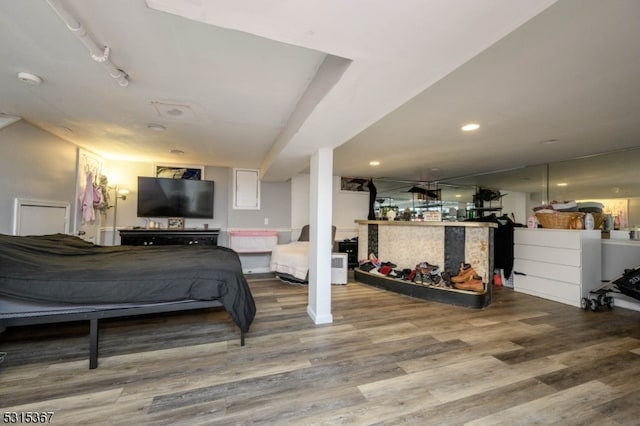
[
  {"x": 463, "y": 267},
  {"x": 465, "y": 274},
  {"x": 473, "y": 284}
]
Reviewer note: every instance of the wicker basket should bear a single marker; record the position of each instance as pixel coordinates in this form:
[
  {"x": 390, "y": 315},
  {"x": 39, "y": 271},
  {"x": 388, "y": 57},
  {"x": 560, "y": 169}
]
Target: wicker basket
[{"x": 558, "y": 220}]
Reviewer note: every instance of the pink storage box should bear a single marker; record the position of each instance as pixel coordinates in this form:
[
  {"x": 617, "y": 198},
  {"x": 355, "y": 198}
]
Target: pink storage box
[{"x": 253, "y": 241}]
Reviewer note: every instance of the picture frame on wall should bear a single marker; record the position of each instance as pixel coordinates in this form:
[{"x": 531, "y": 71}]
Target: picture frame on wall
[
  {"x": 354, "y": 184},
  {"x": 175, "y": 223},
  {"x": 173, "y": 171}
]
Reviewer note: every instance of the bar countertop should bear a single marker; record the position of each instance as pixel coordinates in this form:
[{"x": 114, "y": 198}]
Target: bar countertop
[{"x": 426, "y": 223}]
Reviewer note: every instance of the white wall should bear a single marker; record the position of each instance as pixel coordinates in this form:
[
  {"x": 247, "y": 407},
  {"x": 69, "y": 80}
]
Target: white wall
[
  {"x": 275, "y": 201},
  {"x": 347, "y": 207},
  {"x": 274, "y": 212},
  {"x": 38, "y": 165},
  {"x": 634, "y": 212},
  {"x": 125, "y": 174},
  {"x": 34, "y": 164},
  {"x": 516, "y": 203}
]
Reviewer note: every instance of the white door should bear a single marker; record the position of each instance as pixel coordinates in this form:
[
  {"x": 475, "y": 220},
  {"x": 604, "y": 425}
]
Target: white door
[
  {"x": 37, "y": 217},
  {"x": 87, "y": 218}
]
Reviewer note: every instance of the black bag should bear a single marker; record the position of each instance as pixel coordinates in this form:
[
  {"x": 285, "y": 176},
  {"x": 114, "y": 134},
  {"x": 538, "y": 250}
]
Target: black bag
[
  {"x": 367, "y": 266},
  {"x": 629, "y": 283}
]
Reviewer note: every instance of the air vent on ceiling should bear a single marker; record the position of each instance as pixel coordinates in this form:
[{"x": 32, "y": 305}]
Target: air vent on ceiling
[{"x": 175, "y": 112}]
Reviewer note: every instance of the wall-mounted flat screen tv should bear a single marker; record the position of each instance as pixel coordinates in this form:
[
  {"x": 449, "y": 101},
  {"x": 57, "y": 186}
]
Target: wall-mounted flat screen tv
[{"x": 164, "y": 197}]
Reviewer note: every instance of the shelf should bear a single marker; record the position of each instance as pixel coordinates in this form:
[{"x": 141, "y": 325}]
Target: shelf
[{"x": 486, "y": 209}]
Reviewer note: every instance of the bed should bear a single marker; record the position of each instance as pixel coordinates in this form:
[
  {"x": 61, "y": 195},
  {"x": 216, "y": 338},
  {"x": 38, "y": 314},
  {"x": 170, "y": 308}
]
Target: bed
[
  {"x": 290, "y": 262},
  {"x": 60, "y": 278}
]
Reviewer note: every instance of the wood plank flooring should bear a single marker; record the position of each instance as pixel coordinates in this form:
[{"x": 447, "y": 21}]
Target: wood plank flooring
[{"x": 386, "y": 359}]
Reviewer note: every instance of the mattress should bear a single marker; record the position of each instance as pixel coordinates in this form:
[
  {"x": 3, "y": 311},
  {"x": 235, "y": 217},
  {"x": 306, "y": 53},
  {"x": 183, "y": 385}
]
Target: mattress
[{"x": 291, "y": 259}]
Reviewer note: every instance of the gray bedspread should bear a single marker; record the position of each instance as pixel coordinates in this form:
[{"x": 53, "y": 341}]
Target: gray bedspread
[{"x": 64, "y": 268}]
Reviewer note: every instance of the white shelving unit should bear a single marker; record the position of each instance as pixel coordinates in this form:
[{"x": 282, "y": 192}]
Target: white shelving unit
[
  {"x": 254, "y": 248},
  {"x": 557, "y": 264}
]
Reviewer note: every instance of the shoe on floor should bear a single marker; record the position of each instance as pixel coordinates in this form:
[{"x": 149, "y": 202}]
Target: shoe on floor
[
  {"x": 474, "y": 284},
  {"x": 466, "y": 275}
]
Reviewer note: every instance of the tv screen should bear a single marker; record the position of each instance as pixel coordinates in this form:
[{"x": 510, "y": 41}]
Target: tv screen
[{"x": 164, "y": 197}]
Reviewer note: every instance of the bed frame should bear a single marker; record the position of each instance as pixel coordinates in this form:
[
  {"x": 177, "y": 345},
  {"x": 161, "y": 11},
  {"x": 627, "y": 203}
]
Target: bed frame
[{"x": 14, "y": 312}]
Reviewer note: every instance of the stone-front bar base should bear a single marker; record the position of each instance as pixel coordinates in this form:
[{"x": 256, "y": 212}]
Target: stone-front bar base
[{"x": 451, "y": 296}]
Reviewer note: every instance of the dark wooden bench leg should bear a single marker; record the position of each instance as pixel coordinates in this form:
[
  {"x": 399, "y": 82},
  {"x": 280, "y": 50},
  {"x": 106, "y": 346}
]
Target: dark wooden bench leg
[{"x": 93, "y": 343}]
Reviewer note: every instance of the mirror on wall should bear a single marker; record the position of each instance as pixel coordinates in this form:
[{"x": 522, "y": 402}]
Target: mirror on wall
[{"x": 609, "y": 176}]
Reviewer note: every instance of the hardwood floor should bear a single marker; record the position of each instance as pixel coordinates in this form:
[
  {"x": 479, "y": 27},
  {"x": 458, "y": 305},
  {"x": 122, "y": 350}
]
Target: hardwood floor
[{"x": 386, "y": 359}]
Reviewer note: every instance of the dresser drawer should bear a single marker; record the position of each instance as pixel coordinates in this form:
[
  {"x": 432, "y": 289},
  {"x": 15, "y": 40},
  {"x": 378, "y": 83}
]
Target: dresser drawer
[
  {"x": 562, "y": 256},
  {"x": 552, "y": 271},
  {"x": 563, "y": 292},
  {"x": 560, "y": 238}
]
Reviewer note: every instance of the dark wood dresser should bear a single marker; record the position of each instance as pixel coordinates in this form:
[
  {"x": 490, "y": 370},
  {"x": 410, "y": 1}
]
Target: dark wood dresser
[{"x": 150, "y": 237}]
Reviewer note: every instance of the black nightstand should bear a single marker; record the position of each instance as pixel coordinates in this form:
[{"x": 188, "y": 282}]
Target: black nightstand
[{"x": 351, "y": 248}]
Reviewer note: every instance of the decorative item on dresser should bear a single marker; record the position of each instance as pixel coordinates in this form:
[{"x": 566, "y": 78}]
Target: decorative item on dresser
[{"x": 175, "y": 223}]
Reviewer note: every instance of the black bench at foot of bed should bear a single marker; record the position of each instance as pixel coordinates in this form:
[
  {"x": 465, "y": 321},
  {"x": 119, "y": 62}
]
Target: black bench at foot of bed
[{"x": 15, "y": 312}]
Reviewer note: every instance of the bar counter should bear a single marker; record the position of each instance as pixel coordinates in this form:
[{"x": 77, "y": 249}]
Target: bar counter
[{"x": 445, "y": 244}]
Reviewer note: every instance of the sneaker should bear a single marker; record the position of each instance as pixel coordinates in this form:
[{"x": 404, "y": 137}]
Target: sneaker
[
  {"x": 411, "y": 275},
  {"x": 427, "y": 267},
  {"x": 385, "y": 270}
]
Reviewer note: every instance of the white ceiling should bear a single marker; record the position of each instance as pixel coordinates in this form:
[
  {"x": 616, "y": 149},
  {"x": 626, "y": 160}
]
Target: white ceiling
[{"x": 240, "y": 83}]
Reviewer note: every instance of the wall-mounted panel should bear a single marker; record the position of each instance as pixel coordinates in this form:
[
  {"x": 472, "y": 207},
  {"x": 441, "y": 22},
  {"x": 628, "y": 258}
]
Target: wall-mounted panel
[
  {"x": 38, "y": 217},
  {"x": 246, "y": 189}
]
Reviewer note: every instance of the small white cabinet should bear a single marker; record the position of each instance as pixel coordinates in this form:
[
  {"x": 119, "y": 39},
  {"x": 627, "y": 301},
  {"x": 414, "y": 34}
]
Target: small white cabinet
[
  {"x": 246, "y": 189},
  {"x": 557, "y": 264}
]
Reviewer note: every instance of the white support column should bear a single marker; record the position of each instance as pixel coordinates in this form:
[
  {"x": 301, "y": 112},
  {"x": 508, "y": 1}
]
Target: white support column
[{"x": 320, "y": 244}]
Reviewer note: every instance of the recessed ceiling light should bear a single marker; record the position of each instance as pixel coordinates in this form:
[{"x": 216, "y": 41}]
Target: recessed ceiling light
[
  {"x": 28, "y": 78},
  {"x": 374, "y": 163},
  {"x": 156, "y": 127},
  {"x": 562, "y": 184},
  {"x": 470, "y": 127},
  {"x": 458, "y": 195}
]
